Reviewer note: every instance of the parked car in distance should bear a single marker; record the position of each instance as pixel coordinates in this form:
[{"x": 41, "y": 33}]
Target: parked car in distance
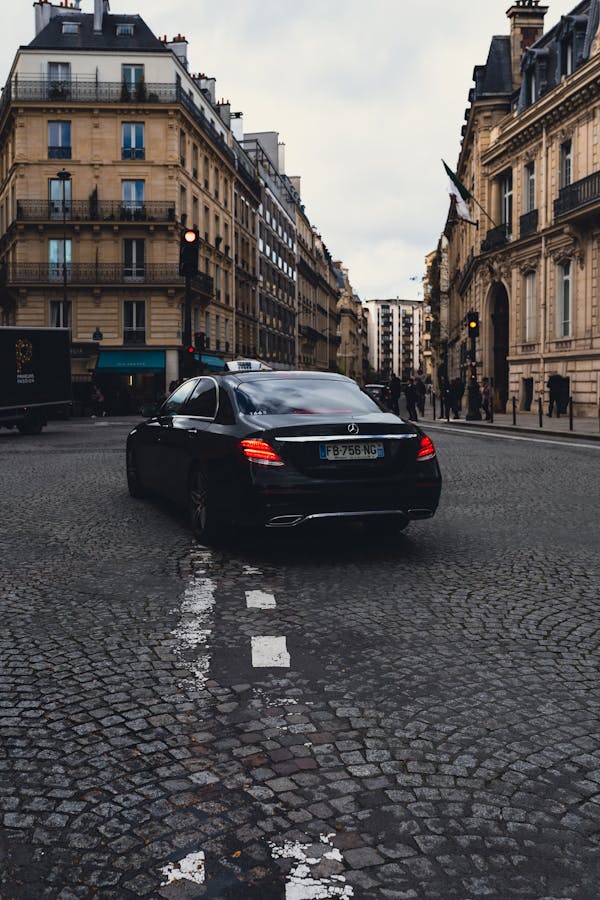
[
  {"x": 378, "y": 392},
  {"x": 281, "y": 450}
]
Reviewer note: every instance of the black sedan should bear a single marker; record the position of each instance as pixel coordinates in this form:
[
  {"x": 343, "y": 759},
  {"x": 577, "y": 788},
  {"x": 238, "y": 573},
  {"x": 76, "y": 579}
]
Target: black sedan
[{"x": 281, "y": 449}]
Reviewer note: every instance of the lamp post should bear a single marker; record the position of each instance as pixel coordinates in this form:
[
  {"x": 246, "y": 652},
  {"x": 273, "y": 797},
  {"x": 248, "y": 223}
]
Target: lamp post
[{"x": 64, "y": 176}]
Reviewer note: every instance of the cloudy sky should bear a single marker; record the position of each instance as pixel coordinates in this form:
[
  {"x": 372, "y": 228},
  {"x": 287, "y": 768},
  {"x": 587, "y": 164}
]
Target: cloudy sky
[{"x": 367, "y": 97}]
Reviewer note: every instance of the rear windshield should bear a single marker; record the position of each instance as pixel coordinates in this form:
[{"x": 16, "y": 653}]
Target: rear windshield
[{"x": 302, "y": 397}]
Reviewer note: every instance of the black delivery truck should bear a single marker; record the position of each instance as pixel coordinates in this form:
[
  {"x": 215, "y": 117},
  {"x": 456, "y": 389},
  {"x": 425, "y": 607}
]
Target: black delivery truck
[{"x": 35, "y": 377}]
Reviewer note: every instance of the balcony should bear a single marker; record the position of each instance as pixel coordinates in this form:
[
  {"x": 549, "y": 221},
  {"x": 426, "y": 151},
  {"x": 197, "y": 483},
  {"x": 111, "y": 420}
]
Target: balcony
[
  {"x": 133, "y": 153},
  {"x": 25, "y": 90},
  {"x": 528, "y": 224},
  {"x": 95, "y": 211},
  {"x": 59, "y": 153},
  {"x": 578, "y": 197},
  {"x": 35, "y": 274},
  {"x": 495, "y": 238}
]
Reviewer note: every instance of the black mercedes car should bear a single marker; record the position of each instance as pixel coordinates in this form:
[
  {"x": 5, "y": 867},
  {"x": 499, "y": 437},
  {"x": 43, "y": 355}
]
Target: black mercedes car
[{"x": 282, "y": 449}]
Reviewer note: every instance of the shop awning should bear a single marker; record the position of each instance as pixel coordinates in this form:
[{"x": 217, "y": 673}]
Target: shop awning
[
  {"x": 212, "y": 363},
  {"x": 128, "y": 362}
]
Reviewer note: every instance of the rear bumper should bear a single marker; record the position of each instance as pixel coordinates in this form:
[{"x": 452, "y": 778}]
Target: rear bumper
[{"x": 288, "y": 506}]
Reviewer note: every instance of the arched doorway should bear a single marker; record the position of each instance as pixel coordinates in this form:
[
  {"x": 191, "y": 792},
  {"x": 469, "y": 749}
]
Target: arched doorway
[{"x": 500, "y": 345}]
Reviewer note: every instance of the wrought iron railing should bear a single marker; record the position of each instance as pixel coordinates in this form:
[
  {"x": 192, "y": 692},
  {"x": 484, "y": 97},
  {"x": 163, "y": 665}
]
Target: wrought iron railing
[
  {"x": 102, "y": 273},
  {"x": 95, "y": 210},
  {"x": 579, "y": 194},
  {"x": 91, "y": 91},
  {"x": 528, "y": 223},
  {"x": 495, "y": 238},
  {"x": 59, "y": 153}
]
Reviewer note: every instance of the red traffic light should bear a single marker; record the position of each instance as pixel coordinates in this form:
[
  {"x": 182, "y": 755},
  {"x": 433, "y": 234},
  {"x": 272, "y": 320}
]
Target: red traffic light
[
  {"x": 190, "y": 349},
  {"x": 190, "y": 236}
]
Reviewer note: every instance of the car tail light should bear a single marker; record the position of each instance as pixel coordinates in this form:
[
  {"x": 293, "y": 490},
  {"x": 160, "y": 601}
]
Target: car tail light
[
  {"x": 260, "y": 452},
  {"x": 426, "y": 449}
]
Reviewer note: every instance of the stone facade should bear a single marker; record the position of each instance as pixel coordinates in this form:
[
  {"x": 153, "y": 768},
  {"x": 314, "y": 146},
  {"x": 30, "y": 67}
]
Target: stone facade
[{"x": 530, "y": 157}]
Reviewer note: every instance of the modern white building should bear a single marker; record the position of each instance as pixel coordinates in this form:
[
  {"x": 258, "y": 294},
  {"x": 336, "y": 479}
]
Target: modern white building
[{"x": 394, "y": 337}]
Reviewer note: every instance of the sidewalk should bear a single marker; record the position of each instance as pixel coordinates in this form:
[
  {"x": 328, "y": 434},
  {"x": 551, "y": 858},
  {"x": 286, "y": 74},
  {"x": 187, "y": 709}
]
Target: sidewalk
[{"x": 586, "y": 428}]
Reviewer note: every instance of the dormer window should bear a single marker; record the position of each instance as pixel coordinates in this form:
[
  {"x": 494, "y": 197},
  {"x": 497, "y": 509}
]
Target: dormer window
[
  {"x": 70, "y": 27},
  {"x": 566, "y": 56},
  {"x": 125, "y": 29}
]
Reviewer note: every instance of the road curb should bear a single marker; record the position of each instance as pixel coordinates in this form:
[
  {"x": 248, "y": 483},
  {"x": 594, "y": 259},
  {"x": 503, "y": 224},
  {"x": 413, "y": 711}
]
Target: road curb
[{"x": 515, "y": 429}]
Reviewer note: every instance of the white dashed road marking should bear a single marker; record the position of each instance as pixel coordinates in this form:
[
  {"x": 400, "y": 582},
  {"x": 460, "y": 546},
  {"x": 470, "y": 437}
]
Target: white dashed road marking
[
  {"x": 301, "y": 884},
  {"x": 195, "y": 626},
  {"x": 270, "y": 653},
  {"x": 260, "y": 600},
  {"x": 191, "y": 868}
]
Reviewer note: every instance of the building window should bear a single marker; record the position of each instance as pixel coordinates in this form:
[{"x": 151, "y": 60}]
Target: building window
[
  {"x": 133, "y": 82},
  {"x": 125, "y": 29},
  {"x": 195, "y": 160},
  {"x": 132, "y": 198},
  {"x": 182, "y": 148},
  {"x": 182, "y": 203},
  {"x": 60, "y": 313},
  {"x": 55, "y": 198},
  {"x": 132, "y": 140},
  {"x": 566, "y": 163},
  {"x": 70, "y": 27},
  {"x": 207, "y": 330},
  {"x": 59, "y": 140},
  {"x": 59, "y": 78},
  {"x": 59, "y": 255},
  {"x": 134, "y": 322},
  {"x": 530, "y": 85},
  {"x": 530, "y": 311},
  {"x": 564, "y": 300},
  {"x": 217, "y": 332},
  {"x": 566, "y": 56},
  {"x": 506, "y": 192},
  {"x": 530, "y": 187},
  {"x": 134, "y": 258}
]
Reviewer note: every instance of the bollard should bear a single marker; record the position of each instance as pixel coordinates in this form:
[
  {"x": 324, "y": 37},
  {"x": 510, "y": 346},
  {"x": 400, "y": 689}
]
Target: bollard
[
  {"x": 514, "y": 410},
  {"x": 540, "y": 412},
  {"x": 433, "y": 403},
  {"x": 492, "y": 408},
  {"x": 570, "y": 414},
  {"x": 447, "y": 409}
]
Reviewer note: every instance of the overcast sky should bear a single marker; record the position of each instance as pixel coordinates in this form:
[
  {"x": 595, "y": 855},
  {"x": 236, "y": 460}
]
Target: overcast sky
[{"x": 367, "y": 97}]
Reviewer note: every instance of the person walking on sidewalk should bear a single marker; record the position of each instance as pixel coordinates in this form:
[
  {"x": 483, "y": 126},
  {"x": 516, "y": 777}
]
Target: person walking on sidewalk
[
  {"x": 395, "y": 388},
  {"x": 554, "y": 386},
  {"x": 486, "y": 398},
  {"x": 411, "y": 400},
  {"x": 420, "y": 391}
]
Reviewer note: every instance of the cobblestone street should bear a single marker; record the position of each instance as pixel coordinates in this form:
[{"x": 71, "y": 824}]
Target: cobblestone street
[{"x": 315, "y": 714}]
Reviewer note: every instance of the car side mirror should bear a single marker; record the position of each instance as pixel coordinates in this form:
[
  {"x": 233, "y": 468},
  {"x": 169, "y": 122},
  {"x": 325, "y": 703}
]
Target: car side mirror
[{"x": 147, "y": 410}]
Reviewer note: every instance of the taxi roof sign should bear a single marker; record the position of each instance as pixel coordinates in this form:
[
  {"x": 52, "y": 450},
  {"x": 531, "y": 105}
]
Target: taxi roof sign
[{"x": 247, "y": 365}]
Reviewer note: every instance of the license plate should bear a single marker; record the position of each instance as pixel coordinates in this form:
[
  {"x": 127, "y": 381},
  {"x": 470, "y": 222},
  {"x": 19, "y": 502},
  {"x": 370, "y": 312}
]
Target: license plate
[{"x": 348, "y": 451}]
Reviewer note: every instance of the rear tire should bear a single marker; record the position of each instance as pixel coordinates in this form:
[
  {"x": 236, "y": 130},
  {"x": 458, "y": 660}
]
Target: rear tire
[
  {"x": 134, "y": 483},
  {"x": 31, "y": 426},
  {"x": 205, "y": 523}
]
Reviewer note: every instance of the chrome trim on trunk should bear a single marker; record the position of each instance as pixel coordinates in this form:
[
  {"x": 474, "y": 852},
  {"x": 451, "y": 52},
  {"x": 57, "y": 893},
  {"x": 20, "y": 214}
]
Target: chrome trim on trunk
[{"x": 355, "y": 438}]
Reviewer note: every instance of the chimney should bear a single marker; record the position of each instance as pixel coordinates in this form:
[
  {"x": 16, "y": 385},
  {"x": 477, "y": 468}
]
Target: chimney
[
  {"x": 43, "y": 14},
  {"x": 98, "y": 11},
  {"x": 237, "y": 126},
  {"x": 295, "y": 179},
  {"x": 526, "y": 27},
  {"x": 281, "y": 158},
  {"x": 224, "y": 110},
  {"x": 179, "y": 46},
  {"x": 209, "y": 87}
]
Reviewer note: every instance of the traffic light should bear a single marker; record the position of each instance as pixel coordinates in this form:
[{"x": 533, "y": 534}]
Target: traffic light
[
  {"x": 199, "y": 342},
  {"x": 473, "y": 324},
  {"x": 188, "y": 252},
  {"x": 188, "y": 351}
]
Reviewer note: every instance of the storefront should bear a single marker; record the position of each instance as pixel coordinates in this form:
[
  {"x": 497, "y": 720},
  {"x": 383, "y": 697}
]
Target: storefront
[{"x": 129, "y": 378}]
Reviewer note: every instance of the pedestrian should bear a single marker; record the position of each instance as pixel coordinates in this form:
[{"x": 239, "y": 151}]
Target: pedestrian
[
  {"x": 486, "y": 398},
  {"x": 447, "y": 397},
  {"x": 395, "y": 387},
  {"x": 554, "y": 388},
  {"x": 411, "y": 400},
  {"x": 420, "y": 391},
  {"x": 97, "y": 402},
  {"x": 458, "y": 390}
]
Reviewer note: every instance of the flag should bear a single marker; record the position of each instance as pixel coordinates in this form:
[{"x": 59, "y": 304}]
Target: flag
[{"x": 460, "y": 194}]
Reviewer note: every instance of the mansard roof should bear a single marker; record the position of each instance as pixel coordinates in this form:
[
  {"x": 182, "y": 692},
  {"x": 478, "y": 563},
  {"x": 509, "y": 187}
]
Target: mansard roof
[
  {"x": 495, "y": 78},
  {"x": 52, "y": 38}
]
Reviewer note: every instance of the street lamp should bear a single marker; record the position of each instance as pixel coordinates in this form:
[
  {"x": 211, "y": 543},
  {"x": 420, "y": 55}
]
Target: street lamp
[{"x": 64, "y": 176}]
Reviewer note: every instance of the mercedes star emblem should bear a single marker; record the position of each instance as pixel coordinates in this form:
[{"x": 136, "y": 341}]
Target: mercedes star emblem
[{"x": 353, "y": 429}]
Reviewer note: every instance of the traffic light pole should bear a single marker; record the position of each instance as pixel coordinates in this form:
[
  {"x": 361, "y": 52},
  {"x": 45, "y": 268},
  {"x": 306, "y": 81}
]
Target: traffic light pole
[
  {"x": 473, "y": 391},
  {"x": 186, "y": 363}
]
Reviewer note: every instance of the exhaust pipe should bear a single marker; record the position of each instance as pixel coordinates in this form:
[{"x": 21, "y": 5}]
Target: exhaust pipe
[
  {"x": 420, "y": 513},
  {"x": 284, "y": 521}
]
